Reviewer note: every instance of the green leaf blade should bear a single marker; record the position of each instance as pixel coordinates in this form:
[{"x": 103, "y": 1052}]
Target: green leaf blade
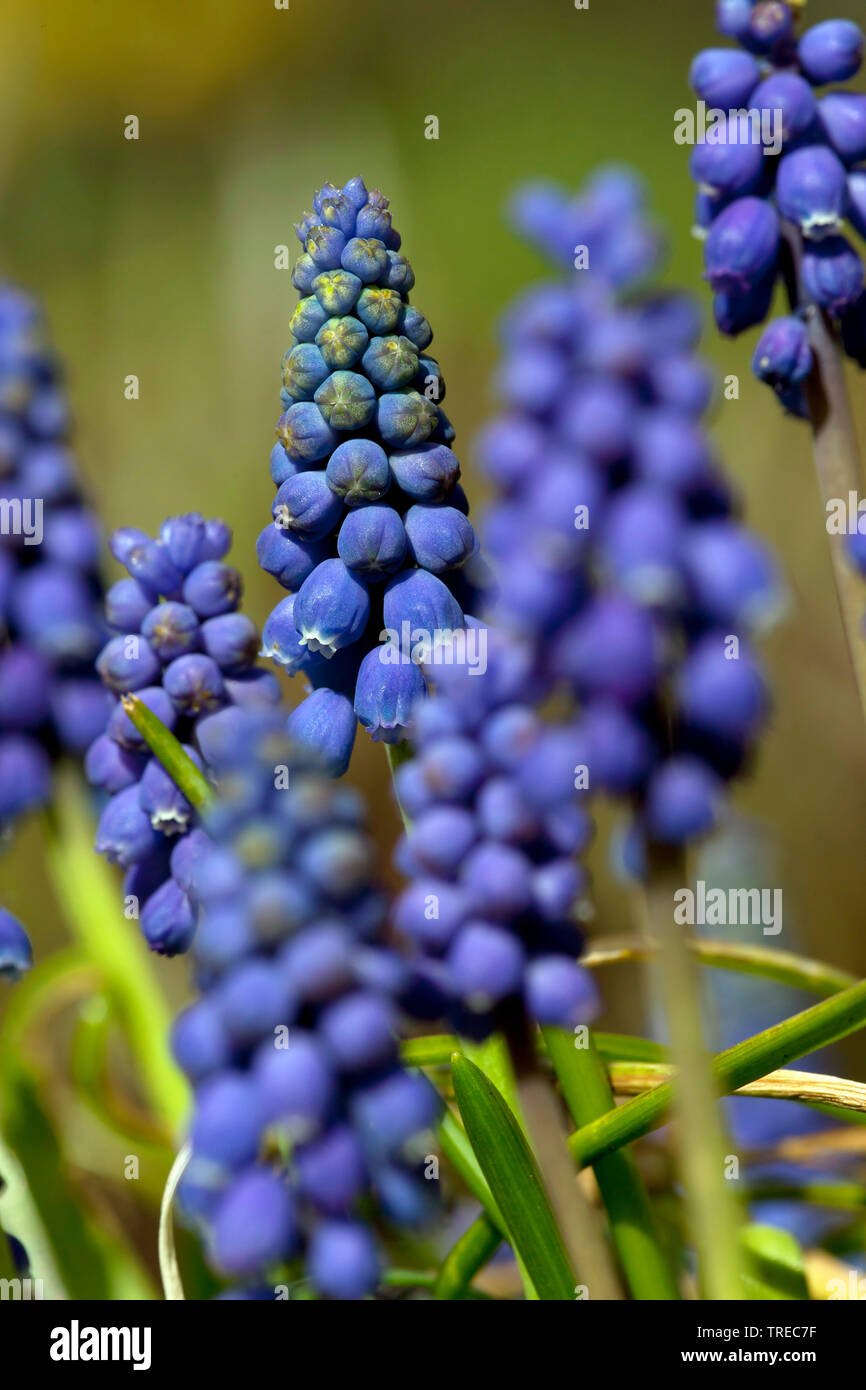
[
  {"x": 588, "y": 1095},
  {"x": 87, "y": 891},
  {"x": 92, "y": 1263},
  {"x": 776, "y": 1268},
  {"x": 509, "y": 1168}
]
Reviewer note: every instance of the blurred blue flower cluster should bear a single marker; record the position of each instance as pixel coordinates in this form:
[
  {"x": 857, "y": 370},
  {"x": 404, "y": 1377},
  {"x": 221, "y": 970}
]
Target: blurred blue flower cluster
[
  {"x": 491, "y": 849},
  {"x": 619, "y": 555},
  {"x": 50, "y": 591},
  {"x": 292, "y": 1045},
  {"x": 623, "y": 580}
]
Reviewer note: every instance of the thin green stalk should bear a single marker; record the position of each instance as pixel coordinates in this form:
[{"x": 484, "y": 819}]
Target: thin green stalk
[
  {"x": 747, "y": 1061},
  {"x": 837, "y": 455},
  {"x": 785, "y": 967},
  {"x": 437, "y": 1049},
  {"x": 476, "y": 1246},
  {"x": 714, "y": 1213},
  {"x": 837, "y": 465},
  {"x": 397, "y": 754},
  {"x": 587, "y": 1092},
  {"x": 624, "y": 1047},
  {"x": 433, "y": 1050},
  {"x": 163, "y": 744},
  {"x": 89, "y": 895},
  {"x": 794, "y": 1037},
  {"x": 427, "y": 1279},
  {"x": 847, "y": 1196}
]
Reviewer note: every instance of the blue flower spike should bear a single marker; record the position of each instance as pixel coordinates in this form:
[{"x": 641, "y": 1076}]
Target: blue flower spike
[{"x": 367, "y": 481}]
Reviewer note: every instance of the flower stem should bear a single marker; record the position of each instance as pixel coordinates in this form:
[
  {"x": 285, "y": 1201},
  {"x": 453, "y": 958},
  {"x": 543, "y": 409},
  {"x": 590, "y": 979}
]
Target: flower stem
[
  {"x": 535, "y": 1106},
  {"x": 837, "y": 455},
  {"x": 476, "y": 1246},
  {"x": 846, "y": 1196},
  {"x": 87, "y": 892},
  {"x": 427, "y": 1279},
  {"x": 437, "y": 1049},
  {"x": 714, "y": 1214},
  {"x": 587, "y": 1092},
  {"x": 397, "y": 754}
]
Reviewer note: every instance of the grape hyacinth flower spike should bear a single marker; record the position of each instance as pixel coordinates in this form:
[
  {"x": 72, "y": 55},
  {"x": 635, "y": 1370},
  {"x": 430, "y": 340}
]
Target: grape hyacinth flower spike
[
  {"x": 619, "y": 558},
  {"x": 623, "y": 573},
  {"x": 491, "y": 850},
  {"x": 51, "y": 702},
  {"x": 291, "y": 1044},
  {"x": 792, "y": 226},
  {"x": 614, "y": 542},
  {"x": 801, "y": 200},
  {"x": 369, "y": 534},
  {"x": 492, "y": 835},
  {"x": 182, "y": 646}
]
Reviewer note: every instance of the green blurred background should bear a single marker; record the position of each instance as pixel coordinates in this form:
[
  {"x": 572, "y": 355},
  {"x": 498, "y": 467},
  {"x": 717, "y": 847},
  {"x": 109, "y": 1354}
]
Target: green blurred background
[{"x": 156, "y": 257}]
